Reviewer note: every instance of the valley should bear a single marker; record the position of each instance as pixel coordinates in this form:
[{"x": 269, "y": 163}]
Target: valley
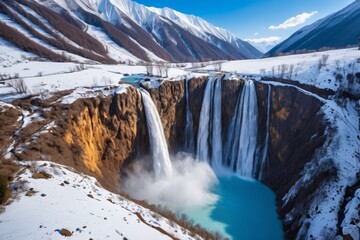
[{"x": 121, "y": 121}]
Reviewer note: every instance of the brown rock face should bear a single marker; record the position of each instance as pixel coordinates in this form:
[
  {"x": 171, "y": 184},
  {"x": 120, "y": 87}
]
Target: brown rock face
[
  {"x": 10, "y": 122},
  {"x": 296, "y": 131},
  {"x": 170, "y": 101},
  {"x": 96, "y": 135},
  {"x": 196, "y": 95},
  {"x": 231, "y": 89}
]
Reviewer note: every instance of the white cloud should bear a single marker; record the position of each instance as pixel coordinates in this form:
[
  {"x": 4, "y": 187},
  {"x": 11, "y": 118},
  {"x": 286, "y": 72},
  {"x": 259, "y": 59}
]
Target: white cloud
[
  {"x": 264, "y": 40},
  {"x": 264, "y": 44},
  {"x": 255, "y": 34},
  {"x": 294, "y": 21}
]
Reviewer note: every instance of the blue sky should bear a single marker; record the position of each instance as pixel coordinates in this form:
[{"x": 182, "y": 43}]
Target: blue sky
[{"x": 249, "y": 19}]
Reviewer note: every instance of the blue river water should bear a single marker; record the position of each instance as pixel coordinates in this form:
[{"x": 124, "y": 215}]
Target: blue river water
[{"x": 245, "y": 209}]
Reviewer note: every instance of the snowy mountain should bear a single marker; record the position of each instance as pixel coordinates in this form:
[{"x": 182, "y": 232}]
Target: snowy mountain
[
  {"x": 338, "y": 30},
  {"x": 109, "y": 31},
  {"x": 212, "y": 34}
]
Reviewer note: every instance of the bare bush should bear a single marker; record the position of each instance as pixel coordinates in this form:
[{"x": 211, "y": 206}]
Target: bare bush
[
  {"x": 291, "y": 71},
  {"x": 283, "y": 70},
  {"x": 163, "y": 69},
  {"x": 149, "y": 69},
  {"x": 218, "y": 67},
  {"x": 323, "y": 61},
  {"x": 337, "y": 65},
  {"x": 80, "y": 67},
  {"x": 263, "y": 72},
  {"x": 18, "y": 84},
  {"x": 94, "y": 82},
  {"x": 279, "y": 70}
]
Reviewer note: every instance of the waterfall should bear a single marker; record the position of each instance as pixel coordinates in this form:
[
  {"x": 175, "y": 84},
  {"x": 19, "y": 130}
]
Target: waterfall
[
  {"x": 189, "y": 129},
  {"x": 266, "y": 143},
  {"x": 242, "y": 133},
  {"x": 161, "y": 159},
  {"x": 204, "y": 124},
  {"x": 216, "y": 127},
  {"x": 209, "y": 144}
]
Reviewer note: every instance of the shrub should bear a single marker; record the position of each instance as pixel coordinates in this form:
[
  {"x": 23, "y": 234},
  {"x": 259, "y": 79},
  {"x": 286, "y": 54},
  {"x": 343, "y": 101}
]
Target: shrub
[
  {"x": 291, "y": 70},
  {"x": 182, "y": 220},
  {"x": 149, "y": 69},
  {"x": 218, "y": 67},
  {"x": 18, "y": 84},
  {"x": 4, "y": 189},
  {"x": 283, "y": 70},
  {"x": 323, "y": 61}
]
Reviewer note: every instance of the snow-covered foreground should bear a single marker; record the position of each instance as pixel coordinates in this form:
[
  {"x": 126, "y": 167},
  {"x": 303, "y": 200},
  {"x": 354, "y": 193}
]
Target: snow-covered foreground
[{"x": 43, "y": 207}]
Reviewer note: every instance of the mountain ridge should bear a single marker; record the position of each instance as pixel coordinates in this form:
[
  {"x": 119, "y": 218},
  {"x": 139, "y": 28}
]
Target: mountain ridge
[
  {"x": 127, "y": 30},
  {"x": 324, "y": 33}
]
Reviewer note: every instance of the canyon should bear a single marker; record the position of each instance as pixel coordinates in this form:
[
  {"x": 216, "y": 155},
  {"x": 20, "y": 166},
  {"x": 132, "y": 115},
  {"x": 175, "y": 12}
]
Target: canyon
[{"x": 106, "y": 135}]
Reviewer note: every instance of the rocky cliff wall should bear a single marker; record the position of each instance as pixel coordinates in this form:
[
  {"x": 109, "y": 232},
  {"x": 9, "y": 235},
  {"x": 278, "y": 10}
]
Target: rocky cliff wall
[{"x": 103, "y": 136}]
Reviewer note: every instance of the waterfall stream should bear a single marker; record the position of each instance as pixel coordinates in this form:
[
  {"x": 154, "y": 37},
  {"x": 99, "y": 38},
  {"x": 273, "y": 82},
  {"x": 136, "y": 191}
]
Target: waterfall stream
[
  {"x": 216, "y": 156},
  {"x": 159, "y": 149},
  {"x": 266, "y": 143},
  {"x": 209, "y": 144},
  {"x": 240, "y": 144},
  {"x": 244, "y": 134},
  {"x": 189, "y": 129}
]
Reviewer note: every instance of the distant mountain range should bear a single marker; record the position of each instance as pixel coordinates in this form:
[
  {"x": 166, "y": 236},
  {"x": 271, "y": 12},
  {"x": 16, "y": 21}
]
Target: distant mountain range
[
  {"x": 110, "y": 31},
  {"x": 338, "y": 30}
]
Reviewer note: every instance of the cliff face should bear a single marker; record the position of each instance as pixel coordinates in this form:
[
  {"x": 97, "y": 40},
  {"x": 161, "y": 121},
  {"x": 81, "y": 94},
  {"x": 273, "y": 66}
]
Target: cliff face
[
  {"x": 296, "y": 131},
  {"x": 94, "y": 135},
  {"x": 103, "y": 136},
  {"x": 170, "y": 101}
]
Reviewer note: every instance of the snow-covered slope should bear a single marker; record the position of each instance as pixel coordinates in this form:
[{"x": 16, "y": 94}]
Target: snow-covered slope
[
  {"x": 42, "y": 207},
  {"x": 205, "y": 30},
  {"x": 110, "y": 31},
  {"x": 337, "y": 30},
  {"x": 305, "y": 68},
  {"x": 152, "y": 20}
]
